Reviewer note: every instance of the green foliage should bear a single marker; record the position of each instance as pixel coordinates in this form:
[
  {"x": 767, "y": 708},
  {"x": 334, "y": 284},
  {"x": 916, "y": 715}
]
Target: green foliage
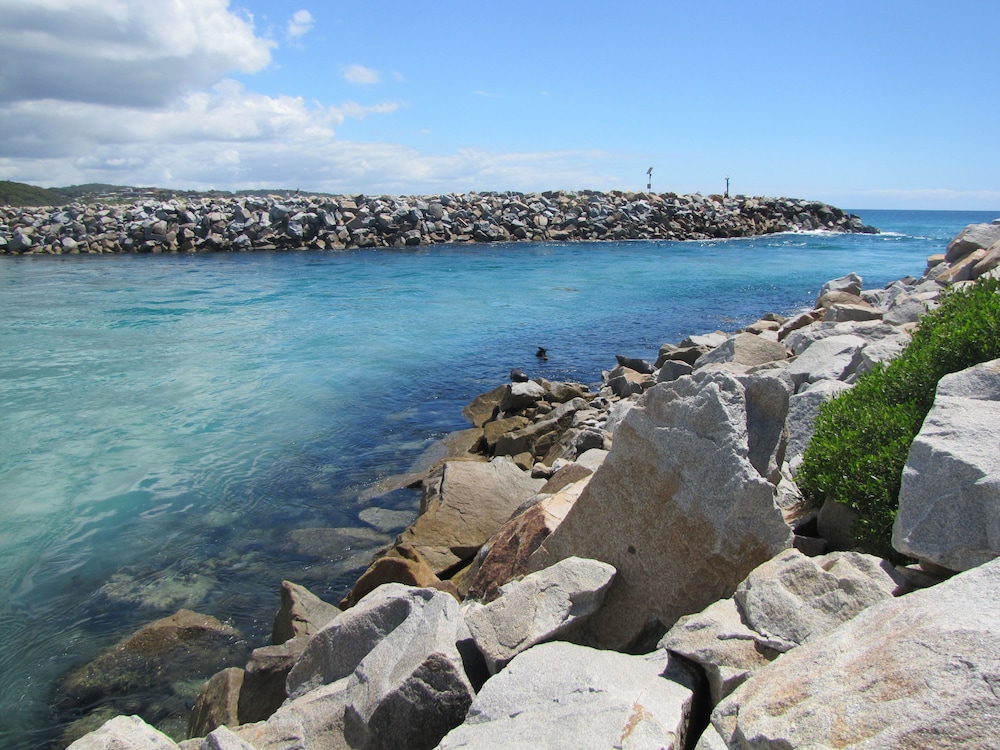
[
  {"x": 863, "y": 437},
  {"x": 20, "y": 194}
]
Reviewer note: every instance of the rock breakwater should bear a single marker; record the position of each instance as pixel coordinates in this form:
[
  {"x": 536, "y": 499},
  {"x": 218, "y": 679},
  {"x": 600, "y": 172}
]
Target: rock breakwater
[{"x": 242, "y": 223}]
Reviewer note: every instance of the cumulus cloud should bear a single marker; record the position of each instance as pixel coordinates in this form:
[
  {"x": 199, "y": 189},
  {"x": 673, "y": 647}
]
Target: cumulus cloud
[
  {"x": 132, "y": 52},
  {"x": 359, "y": 75},
  {"x": 299, "y": 24}
]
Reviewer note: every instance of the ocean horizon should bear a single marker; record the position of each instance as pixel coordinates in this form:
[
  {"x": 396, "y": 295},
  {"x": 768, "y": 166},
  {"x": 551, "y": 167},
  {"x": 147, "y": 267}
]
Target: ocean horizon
[{"x": 190, "y": 430}]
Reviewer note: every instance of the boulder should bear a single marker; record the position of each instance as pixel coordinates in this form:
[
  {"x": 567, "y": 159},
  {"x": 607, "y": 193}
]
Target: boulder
[
  {"x": 826, "y": 359},
  {"x": 851, "y": 283},
  {"x": 537, "y": 608},
  {"x": 625, "y": 382},
  {"x": 721, "y": 644},
  {"x": 301, "y": 613},
  {"x": 883, "y": 350},
  {"x": 263, "y": 689},
  {"x": 949, "y": 500},
  {"x": 401, "y": 564},
  {"x": 673, "y": 369},
  {"x": 803, "y": 408},
  {"x": 692, "y": 515},
  {"x": 745, "y": 349},
  {"x": 961, "y": 269},
  {"x": 793, "y": 599},
  {"x": 485, "y": 406},
  {"x": 125, "y": 733},
  {"x": 463, "y": 505},
  {"x": 218, "y": 703},
  {"x": 562, "y": 696},
  {"x": 505, "y": 556},
  {"x": 915, "y": 671},
  {"x": 973, "y": 237},
  {"x": 223, "y": 739},
  {"x": 154, "y": 661},
  {"x": 388, "y": 673},
  {"x": 521, "y": 396},
  {"x": 842, "y": 312},
  {"x": 633, "y": 363}
]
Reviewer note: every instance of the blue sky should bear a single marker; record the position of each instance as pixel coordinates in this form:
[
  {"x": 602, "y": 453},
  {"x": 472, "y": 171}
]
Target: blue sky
[{"x": 877, "y": 104}]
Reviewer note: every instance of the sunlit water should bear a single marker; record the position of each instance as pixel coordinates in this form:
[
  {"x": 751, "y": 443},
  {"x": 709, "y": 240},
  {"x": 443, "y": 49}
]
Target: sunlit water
[{"x": 188, "y": 431}]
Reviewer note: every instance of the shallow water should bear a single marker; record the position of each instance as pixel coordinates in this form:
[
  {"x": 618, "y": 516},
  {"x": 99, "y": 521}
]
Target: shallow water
[{"x": 188, "y": 431}]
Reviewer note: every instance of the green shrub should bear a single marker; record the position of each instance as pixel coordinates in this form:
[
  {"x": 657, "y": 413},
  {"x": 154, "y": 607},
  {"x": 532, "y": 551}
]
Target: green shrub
[{"x": 862, "y": 438}]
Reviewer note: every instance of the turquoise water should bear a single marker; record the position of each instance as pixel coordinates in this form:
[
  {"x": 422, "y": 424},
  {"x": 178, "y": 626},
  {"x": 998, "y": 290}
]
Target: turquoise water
[{"x": 188, "y": 431}]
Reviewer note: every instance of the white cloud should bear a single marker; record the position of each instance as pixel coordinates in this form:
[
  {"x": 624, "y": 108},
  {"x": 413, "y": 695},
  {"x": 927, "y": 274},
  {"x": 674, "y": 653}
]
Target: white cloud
[
  {"x": 132, "y": 52},
  {"x": 300, "y": 24},
  {"x": 359, "y": 75}
]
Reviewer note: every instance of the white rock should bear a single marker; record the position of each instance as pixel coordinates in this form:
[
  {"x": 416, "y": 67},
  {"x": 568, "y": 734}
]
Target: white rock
[
  {"x": 124, "y": 733},
  {"x": 949, "y": 501},
  {"x": 561, "y": 696},
  {"x": 538, "y": 608}
]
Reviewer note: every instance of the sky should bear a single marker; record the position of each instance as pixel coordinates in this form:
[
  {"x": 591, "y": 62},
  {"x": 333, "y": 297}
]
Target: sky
[{"x": 873, "y": 104}]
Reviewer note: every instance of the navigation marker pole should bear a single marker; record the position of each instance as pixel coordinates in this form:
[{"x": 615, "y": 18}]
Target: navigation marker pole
[
  {"x": 727, "y": 187},
  {"x": 649, "y": 179}
]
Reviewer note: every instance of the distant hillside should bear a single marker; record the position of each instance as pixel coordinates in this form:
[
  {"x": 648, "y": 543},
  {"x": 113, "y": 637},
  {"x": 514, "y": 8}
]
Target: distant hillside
[{"x": 20, "y": 194}]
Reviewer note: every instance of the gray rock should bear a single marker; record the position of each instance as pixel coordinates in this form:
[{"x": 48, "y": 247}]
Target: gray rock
[
  {"x": 691, "y": 515},
  {"x": 217, "y": 704},
  {"x": 387, "y": 673},
  {"x": 717, "y": 639},
  {"x": 843, "y": 312},
  {"x": 521, "y": 396},
  {"x": 224, "y": 739},
  {"x": 744, "y": 349},
  {"x": 538, "y": 608},
  {"x": 562, "y": 696},
  {"x": 263, "y": 689},
  {"x": 883, "y": 350},
  {"x": 916, "y": 671},
  {"x": 949, "y": 501},
  {"x": 710, "y": 340},
  {"x": 803, "y": 408},
  {"x": 906, "y": 309},
  {"x": 794, "y": 599},
  {"x": 973, "y": 237},
  {"x": 851, "y": 283},
  {"x": 125, "y": 733},
  {"x": 673, "y": 369},
  {"x": 827, "y": 359}
]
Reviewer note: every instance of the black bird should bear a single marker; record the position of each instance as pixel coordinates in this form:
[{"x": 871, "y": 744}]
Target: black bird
[
  {"x": 541, "y": 353},
  {"x": 518, "y": 376}
]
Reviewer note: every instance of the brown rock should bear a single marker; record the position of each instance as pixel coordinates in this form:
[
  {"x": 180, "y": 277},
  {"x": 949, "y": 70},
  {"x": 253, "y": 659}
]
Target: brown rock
[
  {"x": 507, "y": 552},
  {"x": 463, "y": 505},
  {"x": 263, "y": 689},
  {"x": 402, "y": 564},
  {"x": 485, "y": 406},
  {"x": 217, "y": 703},
  {"x": 301, "y": 613}
]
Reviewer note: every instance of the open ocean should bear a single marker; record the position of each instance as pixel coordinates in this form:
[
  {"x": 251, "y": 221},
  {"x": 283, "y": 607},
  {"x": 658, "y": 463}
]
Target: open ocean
[{"x": 187, "y": 431}]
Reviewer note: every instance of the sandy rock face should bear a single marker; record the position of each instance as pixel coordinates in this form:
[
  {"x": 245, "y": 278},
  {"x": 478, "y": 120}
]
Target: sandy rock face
[
  {"x": 917, "y": 671},
  {"x": 691, "y": 515}
]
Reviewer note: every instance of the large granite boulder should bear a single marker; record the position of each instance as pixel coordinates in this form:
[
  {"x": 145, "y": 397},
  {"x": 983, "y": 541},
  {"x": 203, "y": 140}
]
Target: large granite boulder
[
  {"x": 826, "y": 359},
  {"x": 263, "y": 689},
  {"x": 793, "y": 599},
  {"x": 949, "y": 501},
  {"x": 744, "y": 349},
  {"x": 218, "y": 703},
  {"x": 916, "y": 671},
  {"x": 851, "y": 284},
  {"x": 388, "y": 673},
  {"x": 562, "y": 696},
  {"x": 538, "y": 607},
  {"x": 677, "y": 508},
  {"x": 464, "y": 504},
  {"x": 973, "y": 237}
]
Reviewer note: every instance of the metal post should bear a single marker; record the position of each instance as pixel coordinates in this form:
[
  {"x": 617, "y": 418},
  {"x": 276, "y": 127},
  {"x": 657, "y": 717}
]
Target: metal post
[
  {"x": 727, "y": 187},
  {"x": 649, "y": 179}
]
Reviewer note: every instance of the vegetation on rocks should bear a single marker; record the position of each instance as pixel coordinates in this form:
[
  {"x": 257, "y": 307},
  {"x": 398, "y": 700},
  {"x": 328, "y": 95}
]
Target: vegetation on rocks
[{"x": 857, "y": 454}]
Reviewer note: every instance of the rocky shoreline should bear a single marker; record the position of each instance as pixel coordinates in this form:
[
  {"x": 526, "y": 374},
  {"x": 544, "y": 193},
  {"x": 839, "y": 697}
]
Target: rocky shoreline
[
  {"x": 244, "y": 223},
  {"x": 635, "y": 568}
]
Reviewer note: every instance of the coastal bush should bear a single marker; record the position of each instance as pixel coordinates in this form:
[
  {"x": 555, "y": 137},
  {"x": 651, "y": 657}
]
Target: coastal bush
[{"x": 862, "y": 438}]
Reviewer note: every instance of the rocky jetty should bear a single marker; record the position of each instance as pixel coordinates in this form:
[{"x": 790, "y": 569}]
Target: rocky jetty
[
  {"x": 210, "y": 224},
  {"x": 634, "y": 567}
]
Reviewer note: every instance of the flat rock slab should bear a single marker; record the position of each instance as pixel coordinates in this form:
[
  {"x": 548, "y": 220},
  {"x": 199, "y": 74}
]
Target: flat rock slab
[
  {"x": 561, "y": 696},
  {"x": 922, "y": 670},
  {"x": 949, "y": 501},
  {"x": 125, "y": 733}
]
